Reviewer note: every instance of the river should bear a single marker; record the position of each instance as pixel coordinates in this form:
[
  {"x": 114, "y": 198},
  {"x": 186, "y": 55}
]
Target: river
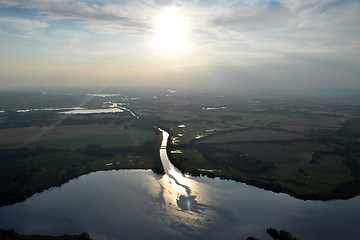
[{"x": 139, "y": 204}]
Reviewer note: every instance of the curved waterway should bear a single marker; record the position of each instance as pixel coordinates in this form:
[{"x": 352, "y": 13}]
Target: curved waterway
[{"x": 139, "y": 204}]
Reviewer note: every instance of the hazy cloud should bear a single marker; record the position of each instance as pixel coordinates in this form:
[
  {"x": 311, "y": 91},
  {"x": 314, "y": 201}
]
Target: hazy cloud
[
  {"x": 244, "y": 41},
  {"x": 22, "y": 27}
]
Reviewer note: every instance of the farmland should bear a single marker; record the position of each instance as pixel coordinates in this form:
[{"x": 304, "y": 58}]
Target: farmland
[
  {"x": 251, "y": 135},
  {"x": 304, "y": 146},
  {"x": 42, "y": 148},
  {"x": 74, "y": 136}
]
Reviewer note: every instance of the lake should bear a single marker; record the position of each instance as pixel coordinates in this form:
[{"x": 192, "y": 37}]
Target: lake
[{"x": 139, "y": 204}]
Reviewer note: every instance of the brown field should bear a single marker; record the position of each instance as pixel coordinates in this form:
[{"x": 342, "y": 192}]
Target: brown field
[
  {"x": 178, "y": 117},
  {"x": 298, "y": 128},
  {"x": 328, "y": 163},
  {"x": 174, "y": 117},
  {"x": 251, "y": 135},
  {"x": 332, "y": 122},
  {"x": 13, "y": 135},
  {"x": 237, "y": 122},
  {"x": 276, "y": 152},
  {"x": 306, "y": 124},
  {"x": 99, "y": 116},
  {"x": 338, "y": 113}
]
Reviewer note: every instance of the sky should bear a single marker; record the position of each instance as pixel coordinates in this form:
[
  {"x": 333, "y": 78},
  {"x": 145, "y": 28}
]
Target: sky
[{"x": 245, "y": 44}]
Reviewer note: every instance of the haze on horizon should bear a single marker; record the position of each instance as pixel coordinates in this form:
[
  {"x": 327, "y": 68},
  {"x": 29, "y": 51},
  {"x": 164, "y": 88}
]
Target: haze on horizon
[{"x": 218, "y": 44}]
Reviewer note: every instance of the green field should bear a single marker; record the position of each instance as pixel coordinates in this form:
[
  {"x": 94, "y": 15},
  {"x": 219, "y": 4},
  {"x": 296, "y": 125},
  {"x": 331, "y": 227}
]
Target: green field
[
  {"x": 305, "y": 169},
  {"x": 287, "y": 146},
  {"x": 126, "y": 138},
  {"x": 307, "y": 147},
  {"x": 40, "y": 149}
]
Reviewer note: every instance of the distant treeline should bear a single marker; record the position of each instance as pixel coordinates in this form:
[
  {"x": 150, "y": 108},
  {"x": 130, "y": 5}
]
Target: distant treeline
[{"x": 12, "y": 235}]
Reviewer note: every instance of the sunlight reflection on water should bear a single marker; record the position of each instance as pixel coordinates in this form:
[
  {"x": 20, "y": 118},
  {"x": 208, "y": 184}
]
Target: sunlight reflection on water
[
  {"x": 138, "y": 204},
  {"x": 180, "y": 193}
]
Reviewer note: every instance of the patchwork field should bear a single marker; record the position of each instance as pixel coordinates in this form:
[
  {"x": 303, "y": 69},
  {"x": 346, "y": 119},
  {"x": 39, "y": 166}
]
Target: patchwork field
[
  {"x": 42, "y": 148},
  {"x": 305, "y": 146},
  {"x": 76, "y": 136},
  {"x": 308, "y": 152},
  {"x": 251, "y": 135},
  {"x": 292, "y": 152},
  {"x": 39, "y": 133},
  {"x": 328, "y": 163}
]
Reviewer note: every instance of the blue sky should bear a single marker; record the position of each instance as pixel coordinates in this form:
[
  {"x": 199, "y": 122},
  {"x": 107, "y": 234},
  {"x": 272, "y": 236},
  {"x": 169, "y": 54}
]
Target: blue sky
[{"x": 220, "y": 44}]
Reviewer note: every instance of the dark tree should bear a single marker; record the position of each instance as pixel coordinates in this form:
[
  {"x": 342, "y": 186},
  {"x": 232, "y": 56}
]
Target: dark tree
[
  {"x": 251, "y": 238},
  {"x": 282, "y": 235},
  {"x": 273, "y": 233}
]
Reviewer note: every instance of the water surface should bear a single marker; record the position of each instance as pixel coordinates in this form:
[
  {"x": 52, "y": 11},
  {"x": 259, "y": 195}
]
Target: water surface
[
  {"x": 93, "y": 111},
  {"x": 142, "y": 205}
]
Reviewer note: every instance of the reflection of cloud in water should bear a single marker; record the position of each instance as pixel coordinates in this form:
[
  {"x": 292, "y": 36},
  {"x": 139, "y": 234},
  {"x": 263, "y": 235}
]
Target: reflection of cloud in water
[{"x": 188, "y": 203}]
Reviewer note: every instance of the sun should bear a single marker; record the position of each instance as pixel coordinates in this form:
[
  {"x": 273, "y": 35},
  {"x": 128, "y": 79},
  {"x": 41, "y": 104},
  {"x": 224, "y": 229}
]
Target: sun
[{"x": 171, "y": 31}]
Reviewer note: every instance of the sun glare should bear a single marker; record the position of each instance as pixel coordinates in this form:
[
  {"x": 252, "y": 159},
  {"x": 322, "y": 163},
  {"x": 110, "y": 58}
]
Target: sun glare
[{"x": 171, "y": 31}]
